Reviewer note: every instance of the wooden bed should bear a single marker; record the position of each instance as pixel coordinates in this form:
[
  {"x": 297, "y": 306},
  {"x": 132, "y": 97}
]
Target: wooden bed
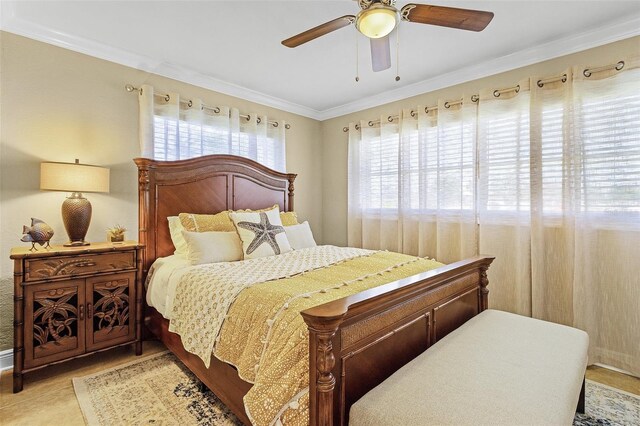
[{"x": 355, "y": 342}]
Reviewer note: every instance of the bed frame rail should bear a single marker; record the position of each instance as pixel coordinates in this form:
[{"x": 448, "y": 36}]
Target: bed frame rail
[{"x": 357, "y": 342}]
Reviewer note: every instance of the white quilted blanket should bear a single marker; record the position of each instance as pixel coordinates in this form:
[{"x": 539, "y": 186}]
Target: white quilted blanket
[{"x": 205, "y": 293}]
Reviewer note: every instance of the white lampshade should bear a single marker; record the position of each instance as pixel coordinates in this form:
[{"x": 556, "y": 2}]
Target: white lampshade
[
  {"x": 73, "y": 177},
  {"x": 377, "y": 21}
]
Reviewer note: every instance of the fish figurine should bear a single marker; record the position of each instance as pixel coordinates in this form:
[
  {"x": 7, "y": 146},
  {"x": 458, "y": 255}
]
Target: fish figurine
[{"x": 39, "y": 232}]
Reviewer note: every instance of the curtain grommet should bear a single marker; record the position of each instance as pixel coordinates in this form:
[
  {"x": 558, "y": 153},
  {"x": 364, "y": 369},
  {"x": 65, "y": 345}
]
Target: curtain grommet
[
  {"x": 447, "y": 104},
  {"x": 475, "y": 98},
  {"x": 619, "y": 65},
  {"x": 190, "y": 103},
  {"x": 496, "y": 93},
  {"x": 370, "y": 123}
]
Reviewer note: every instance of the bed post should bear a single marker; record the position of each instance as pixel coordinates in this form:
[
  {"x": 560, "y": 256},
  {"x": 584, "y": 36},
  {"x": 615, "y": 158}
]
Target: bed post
[
  {"x": 290, "y": 177},
  {"x": 143, "y": 209},
  {"x": 484, "y": 291},
  {"x": 322, "y": 382}
]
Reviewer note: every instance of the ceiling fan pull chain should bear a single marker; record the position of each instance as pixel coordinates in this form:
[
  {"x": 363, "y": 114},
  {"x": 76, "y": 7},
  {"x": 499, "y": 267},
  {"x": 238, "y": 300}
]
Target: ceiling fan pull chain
[
  {"x": 357, "y": 60},
  {"x": 398, "y": 54}
]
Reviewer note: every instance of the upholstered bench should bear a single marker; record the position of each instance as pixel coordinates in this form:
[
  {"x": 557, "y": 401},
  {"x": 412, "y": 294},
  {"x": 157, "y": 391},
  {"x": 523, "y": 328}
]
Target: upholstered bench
[{"x": 496, "y": 369}]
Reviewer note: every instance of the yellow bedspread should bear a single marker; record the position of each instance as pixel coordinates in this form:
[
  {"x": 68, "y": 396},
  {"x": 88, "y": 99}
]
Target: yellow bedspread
[{"x": 265, "y": 337}]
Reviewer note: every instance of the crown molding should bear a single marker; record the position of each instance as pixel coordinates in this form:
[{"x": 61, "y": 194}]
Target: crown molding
[
  {"x": 610, "y": 33},
  {"x": 11, "y": 23},
  {"x": 619, "y": 30}
]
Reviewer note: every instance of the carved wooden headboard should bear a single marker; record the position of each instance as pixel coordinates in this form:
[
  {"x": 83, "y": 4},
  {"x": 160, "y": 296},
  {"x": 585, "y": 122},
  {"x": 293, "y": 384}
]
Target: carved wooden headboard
[{"x": 207, "y": 184}]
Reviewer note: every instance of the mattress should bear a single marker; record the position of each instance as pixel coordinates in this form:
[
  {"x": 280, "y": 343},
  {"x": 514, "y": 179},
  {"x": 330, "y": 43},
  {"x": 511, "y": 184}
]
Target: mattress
[{"x": 163, "y": 278}]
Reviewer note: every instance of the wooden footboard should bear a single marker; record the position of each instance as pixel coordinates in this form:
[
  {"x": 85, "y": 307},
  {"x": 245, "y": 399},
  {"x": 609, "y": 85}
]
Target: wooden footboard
[{"x": 357, "y": 342}]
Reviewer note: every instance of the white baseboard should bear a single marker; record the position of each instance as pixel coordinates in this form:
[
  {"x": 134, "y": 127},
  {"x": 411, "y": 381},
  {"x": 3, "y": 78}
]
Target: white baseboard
[
  {"x": 6, "y": 359},
  {"x": 619, "y": 370}
]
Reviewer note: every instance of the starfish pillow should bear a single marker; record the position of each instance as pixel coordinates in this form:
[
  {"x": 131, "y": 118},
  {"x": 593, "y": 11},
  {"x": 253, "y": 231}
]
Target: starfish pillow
[{"x": 262, "y": 233}]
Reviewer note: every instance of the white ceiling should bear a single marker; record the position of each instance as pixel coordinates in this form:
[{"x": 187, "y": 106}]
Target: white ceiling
[{"x": 234, "y": 46}]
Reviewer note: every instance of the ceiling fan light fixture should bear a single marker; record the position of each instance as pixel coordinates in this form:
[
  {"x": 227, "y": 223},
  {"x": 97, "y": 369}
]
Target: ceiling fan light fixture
[{"x": 377, "y": 21}]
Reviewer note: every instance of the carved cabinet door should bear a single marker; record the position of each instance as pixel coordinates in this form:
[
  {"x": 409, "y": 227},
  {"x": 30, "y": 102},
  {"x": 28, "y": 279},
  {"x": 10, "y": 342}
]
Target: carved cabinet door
[
  {"x": 54, "y": 322},
  {"x": 110, "y": 310}
]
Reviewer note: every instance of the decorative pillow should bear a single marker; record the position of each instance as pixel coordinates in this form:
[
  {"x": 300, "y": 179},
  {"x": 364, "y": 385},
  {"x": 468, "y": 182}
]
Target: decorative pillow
[
  {"x": 218, "y": 222},
  {"x": 289, "y": 218},
  {"x": 300, "y": 236},
  {"x": 262, "y": 233},
  {"x": 212, "y": 247},
  {"x": 175, "y": 230},
  {"x": 221, "y": 222}
]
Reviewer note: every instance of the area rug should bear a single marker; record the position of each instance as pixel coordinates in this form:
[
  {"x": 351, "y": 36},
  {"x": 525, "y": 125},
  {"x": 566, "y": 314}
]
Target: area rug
[
  {"x": 159, "y": 390},
  {"x": 608, "y": 406}
]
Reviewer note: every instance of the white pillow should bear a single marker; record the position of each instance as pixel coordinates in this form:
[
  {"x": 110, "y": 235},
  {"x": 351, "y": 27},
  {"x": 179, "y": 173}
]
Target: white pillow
[
  {"x": 300, "y": 236},
  {"x": 262, "y": 233},
  {"x": 175, "y": 230},
  {"x": 212, "y": 247}
]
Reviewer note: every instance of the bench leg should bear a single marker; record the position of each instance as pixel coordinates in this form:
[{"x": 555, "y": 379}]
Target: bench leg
[{"x": 580, "y": 408}]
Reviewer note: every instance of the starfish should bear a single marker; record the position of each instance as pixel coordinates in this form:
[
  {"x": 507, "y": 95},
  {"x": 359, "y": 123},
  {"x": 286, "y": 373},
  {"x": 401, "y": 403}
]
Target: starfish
[{"x": 265, "y": 233}]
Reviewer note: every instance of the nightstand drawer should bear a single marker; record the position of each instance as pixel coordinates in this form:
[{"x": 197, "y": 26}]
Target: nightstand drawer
[{"x": 68, "y": 266}]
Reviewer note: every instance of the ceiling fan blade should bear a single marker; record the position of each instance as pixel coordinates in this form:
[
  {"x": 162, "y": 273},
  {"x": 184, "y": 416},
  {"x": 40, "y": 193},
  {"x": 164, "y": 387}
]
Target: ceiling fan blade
[
  {"x": 380, "y": 53},
  {"x": 319, "y": 31},
  {"x": 464, "y": 19}
]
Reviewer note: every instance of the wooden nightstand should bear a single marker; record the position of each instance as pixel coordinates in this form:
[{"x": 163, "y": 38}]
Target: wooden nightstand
[{"x": 70, "y": 302}]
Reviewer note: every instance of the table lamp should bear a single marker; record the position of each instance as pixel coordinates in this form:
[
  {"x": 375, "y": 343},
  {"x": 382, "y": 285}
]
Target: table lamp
[{"x": 75, "y": 178}]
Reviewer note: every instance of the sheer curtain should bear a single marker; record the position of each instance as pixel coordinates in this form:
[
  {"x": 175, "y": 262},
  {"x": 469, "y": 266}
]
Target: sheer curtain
[
  {"x": 374, "y": 186},
  {"x": 174, "y": 129},
  {"x": 504, "y": 195},
  {"x": 559, "y": 205},
  {"x": 606, "y": 198},
  {"x": 438, "y": 167},
  {"x": 546, "y": 178},
  {"x": 411, "y": 182}
]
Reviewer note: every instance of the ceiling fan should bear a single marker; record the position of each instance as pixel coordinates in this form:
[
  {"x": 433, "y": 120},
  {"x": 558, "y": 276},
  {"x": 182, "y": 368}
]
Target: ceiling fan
[{"x": 378, "y": 18}]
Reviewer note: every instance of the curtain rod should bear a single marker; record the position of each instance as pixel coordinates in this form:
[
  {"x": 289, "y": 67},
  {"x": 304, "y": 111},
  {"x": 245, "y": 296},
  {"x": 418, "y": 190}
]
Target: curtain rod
[
  {"x": 587, "y": 72},
  {"x": 216, "y": 110}
]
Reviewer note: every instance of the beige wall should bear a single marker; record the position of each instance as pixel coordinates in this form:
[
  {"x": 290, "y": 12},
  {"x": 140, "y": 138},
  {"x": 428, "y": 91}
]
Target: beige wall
[
  {"x": 335, "y": 140},
  {"x": 58, "y": 105}
]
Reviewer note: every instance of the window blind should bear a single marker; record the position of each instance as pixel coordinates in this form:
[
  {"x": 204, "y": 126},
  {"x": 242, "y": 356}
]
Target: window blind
[
  {"x": 181, "y": 139},
  {"x": 610, "y": 136},
  {"x": 504, "y": 167}
]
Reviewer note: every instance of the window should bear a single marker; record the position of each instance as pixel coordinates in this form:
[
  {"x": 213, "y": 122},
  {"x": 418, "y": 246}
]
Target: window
[
  {"x": 610, "y": 135},
  {"x": 420, "y": 170},
  {"x": 504, "y": 168},
  {"x": 180, "y": 139}
]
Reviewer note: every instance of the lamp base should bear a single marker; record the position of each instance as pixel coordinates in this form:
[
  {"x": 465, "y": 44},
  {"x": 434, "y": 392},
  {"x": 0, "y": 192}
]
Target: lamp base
[
  {"x": 76, "y": 244},
  {"x": 76, "y": 215}
]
